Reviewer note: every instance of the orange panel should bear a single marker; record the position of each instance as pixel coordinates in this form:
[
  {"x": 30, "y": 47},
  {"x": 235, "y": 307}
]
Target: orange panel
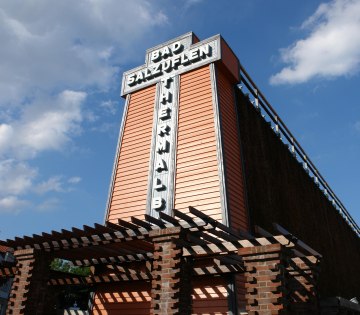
[
  {"x": 230, "y": 61},
  {"x": 129, "y": 299},
  {"x": 133, "y": 162},
  {"x": 240, "y": 291},
  {"x": 232, "y": 153},
  {"x": 233, "y": 167},
  {"x": 210, "y": 296}
]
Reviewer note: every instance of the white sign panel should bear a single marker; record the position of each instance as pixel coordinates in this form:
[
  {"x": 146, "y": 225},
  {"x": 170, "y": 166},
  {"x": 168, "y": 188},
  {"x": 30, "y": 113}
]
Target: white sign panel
[
  {"x": 170, "y": 59},
  {"x": 164, "y": 147}
]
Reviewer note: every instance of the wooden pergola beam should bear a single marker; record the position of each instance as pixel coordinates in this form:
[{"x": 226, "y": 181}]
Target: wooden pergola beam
[{"x": 7, "y": 271}]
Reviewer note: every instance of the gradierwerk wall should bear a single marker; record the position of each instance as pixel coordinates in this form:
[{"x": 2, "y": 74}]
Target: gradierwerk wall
[{"x": 280, "y": 190}]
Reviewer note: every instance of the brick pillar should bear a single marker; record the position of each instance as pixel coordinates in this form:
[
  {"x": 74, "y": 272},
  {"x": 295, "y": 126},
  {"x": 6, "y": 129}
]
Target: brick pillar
[
  {"x": 265, "y": 279},
  {"x": 29, "y": 287},
  {"x": 171, "y": 275},
  {"x": 302, "y": 277}
]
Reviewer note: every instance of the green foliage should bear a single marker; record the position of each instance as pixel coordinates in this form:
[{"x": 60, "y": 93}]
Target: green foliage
[{"x": 65, "y": 266}]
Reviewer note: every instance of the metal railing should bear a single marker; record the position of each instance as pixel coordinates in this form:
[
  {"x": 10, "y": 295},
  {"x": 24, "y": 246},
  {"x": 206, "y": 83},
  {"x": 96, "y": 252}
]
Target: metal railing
[{"x": 269, "y": 114}]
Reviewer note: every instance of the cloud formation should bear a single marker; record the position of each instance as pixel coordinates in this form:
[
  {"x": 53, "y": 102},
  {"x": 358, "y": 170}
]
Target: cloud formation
[
  {"x": 15, "y": 177},
  {"x": 46, "y": 124},
  {"x": 331, "y": 49},
  {"x": 12, "y": 204},
  {"x": 52, "y": 46},
  {"x": 51, "y": 59}
]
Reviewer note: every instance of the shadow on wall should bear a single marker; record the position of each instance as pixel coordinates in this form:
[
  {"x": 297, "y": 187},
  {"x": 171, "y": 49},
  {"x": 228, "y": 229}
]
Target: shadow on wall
[{"x": 280, "y": 190}]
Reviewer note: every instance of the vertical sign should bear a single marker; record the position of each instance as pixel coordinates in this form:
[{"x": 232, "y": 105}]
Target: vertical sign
[{"x": 162, "y": 170}]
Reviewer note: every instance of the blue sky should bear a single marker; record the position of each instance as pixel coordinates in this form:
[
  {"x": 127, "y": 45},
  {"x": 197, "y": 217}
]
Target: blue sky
[{"x": 60, "y": 72}]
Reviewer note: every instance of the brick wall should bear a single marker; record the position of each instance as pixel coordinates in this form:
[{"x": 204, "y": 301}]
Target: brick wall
[
  {"x": 265, "y": 279},
  {"x": 277, "y": 283},
  {"x": 171, "y": 275},
  {"x": 29, "y": 289}
]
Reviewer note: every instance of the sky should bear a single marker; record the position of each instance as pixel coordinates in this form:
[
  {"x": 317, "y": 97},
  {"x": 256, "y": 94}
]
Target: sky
[{"x": 61, "y": 64}]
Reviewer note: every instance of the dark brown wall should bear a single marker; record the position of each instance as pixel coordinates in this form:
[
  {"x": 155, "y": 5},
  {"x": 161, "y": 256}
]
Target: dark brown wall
[{"x": 279, "y": 190}]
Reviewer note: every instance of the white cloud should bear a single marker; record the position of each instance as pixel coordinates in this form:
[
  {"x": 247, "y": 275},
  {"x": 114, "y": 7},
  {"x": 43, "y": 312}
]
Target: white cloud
[
  {"x": 109, "y": 106},
  {"x": 48, "y": 205},
  {"x": 74, "y": 180},
  {"x": 12, "y": 204},
  {"x": 189, "y": 3},
  {"x": 357, "y": 126},
  {"x": 52, "y": 58},
  {"x": 15, "y": 177},
  {"x": 47, "y": 124},
  {"x": 54, "y": 183},
  {"x": 331, "y": 49},
  {"x": 68, "y": 44},
  {"x": 106, "y": 128}
]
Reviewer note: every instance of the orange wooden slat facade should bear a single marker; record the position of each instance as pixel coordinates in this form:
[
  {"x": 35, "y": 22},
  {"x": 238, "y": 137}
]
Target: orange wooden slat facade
[
  {"x": 232, "y": 153},
  {"x": 209, "y": 297},
  {"x": 197, "y": 179},
  {"x": 132, "y": 167},
  {"x": 196, "y": 114}
]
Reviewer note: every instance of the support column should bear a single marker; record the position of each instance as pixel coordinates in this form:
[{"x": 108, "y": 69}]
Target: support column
[
  {"x": 29, "y": 288},
  {"x": 265, "y": 279},
  {"x": 171, "y": 275}
]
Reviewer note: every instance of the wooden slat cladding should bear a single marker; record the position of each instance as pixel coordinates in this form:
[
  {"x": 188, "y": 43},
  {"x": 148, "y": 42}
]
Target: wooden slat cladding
[
  {"x": 240, "y": 291},
  {"x": 210, "y": 296},
  {"x": 131, "y": 179},
  {"x": 232, "y": 154},
  {"x": 196, "y": 146},
  {"x": 129, "y": 299}
]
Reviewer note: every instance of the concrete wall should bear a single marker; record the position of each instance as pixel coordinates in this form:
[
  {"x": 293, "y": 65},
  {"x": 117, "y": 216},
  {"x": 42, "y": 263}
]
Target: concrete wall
[{"x": 279, "y": 190}]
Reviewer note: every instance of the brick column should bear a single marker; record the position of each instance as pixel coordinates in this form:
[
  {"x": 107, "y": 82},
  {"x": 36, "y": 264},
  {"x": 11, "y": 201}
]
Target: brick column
[
  {"x": 265, "y": 279},
  {"x": 171, "y": 275},
  {"x": 29, "y": 287},
  {"x": 302, "y": 276}
]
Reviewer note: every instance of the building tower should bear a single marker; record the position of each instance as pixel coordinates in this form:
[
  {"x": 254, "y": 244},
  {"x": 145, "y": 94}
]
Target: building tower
[
  {"x": 179, "y": 143},
  {"x": 206, "y": 185}
]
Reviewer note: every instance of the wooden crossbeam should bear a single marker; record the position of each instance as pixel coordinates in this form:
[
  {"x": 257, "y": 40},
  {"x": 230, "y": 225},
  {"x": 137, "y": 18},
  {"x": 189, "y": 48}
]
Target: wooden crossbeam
[
  {"x": 169, "y": 219},
  {"x": 72, "y": 280},
  {"x": 7, "y": 271},
  {"x": 259, "y": 230},
  {"x": 295, "y": 240},
  {"x": 185, "y": 217},
  {"x": 142, "y": 223},
  {"x": 228, "y": 247},
  {"x": 195, "y": 239},
  {"x": 229, "y": 260},
  {"x": 115, "y": 227},
  {"x": 209, "y": 238},
  {"x": 3, "y": 243},
  {"x": 155, "y": 221},
  {"x": 113, "y": 259},
  {"x": 212, "y": 221},
  {"x": 217, "y": 269},
  {"x": 124, "y": 277},
  {"x": 127, "y": 270},
  {"x": 67, "y": 240},
  {"x": 223, "y": 235},
  {"x": 129, "y": 226}
]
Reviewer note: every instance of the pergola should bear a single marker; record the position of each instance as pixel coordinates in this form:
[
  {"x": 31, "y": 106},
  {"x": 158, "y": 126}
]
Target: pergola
[{"x": 280, "y": 271}]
